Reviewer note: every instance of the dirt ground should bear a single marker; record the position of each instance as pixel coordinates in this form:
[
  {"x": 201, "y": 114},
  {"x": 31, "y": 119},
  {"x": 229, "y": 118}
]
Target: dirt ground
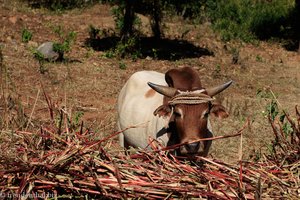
[{"x": 92, "y": 85}]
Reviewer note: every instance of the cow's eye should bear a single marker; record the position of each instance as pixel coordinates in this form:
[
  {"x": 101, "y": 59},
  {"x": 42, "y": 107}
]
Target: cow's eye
[
  {"x": 177, "y": 114},
  {"x": 205, "y": 114}
]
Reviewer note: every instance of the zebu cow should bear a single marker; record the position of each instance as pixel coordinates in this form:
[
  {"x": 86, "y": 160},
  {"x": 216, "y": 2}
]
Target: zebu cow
[{"x": 178, "y": 100}]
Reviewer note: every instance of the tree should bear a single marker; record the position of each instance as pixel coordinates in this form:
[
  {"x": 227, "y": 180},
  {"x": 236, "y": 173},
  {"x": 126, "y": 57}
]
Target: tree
[{"x": 151, "y": 8}]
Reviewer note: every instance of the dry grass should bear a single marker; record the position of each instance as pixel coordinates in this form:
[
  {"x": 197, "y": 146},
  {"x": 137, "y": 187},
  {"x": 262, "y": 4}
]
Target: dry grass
[{"x": 60, "y": 160}]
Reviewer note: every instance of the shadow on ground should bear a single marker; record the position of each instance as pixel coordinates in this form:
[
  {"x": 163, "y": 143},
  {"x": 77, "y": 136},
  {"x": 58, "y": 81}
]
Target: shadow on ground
[{"x": 161, "y": 49}]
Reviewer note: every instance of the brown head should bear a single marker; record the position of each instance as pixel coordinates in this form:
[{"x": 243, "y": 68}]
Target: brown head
[{"x": 188, "y": 106}]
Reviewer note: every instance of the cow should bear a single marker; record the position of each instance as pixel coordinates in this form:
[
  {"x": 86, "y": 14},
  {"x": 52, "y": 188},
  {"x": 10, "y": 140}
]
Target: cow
[{"x": 174, "y": 105}]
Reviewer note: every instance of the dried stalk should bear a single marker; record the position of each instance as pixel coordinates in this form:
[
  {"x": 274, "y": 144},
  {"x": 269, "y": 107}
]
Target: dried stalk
[{"x": 85, "y": 169}]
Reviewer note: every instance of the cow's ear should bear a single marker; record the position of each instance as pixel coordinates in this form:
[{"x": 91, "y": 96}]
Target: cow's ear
[
  {"x": 163, "y": 110},
  {"x": 218, "y": 111}
]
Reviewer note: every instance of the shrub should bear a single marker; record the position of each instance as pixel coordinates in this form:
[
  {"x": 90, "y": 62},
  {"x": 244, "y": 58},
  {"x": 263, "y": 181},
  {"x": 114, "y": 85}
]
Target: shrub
[
  {"x": 247, "y": 19},
  {"x": 130, "y": 46},
  {"x": 65, "y": 45},
  {"x": 186, "y": 9}
]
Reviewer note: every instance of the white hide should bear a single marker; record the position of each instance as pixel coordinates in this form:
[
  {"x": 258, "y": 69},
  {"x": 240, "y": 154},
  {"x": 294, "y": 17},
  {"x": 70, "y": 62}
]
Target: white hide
[{"x": 134, "y": 108}]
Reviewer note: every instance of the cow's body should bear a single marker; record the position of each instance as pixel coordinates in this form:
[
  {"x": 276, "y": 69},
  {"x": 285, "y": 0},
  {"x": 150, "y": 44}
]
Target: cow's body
[
  {"x": 136, "y": 104},
  {"x": 165, "y": 120}
]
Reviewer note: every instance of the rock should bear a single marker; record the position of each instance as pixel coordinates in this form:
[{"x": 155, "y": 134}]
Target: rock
[{"x": 46, "y": 49}]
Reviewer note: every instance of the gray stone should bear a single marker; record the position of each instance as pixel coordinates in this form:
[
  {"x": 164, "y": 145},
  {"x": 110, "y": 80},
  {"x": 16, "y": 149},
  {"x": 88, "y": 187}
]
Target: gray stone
[{"x": 46, "y": 49}]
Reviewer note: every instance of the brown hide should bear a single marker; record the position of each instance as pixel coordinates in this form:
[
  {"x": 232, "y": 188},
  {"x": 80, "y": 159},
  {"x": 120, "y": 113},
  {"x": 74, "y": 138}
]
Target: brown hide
[
  {"x": 184, "y": 79},
  {"x": 189, "y": 121}
]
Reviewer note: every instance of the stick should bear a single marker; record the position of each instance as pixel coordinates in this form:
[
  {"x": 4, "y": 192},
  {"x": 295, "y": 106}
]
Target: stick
[
  {"x": 49, "y": 103},
  {"x": 205, "y": 139},
  {"x": 114, "y": 134},
  {"x": 29, "y": 120},
  {"x": 241, "y": 163}
]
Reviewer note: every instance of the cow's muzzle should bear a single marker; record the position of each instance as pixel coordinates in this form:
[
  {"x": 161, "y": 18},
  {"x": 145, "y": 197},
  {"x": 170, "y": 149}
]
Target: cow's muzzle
[{"x": 191, "y": 148}]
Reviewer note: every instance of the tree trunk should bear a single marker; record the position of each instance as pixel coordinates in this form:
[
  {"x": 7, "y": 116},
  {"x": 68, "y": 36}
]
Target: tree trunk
[{"x": 127, "y": 30}]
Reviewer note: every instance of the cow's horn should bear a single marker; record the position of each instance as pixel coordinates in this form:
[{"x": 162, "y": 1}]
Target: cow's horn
[
  {"x": 164, "y": 90},
  {"x": 216, "y": 90}
]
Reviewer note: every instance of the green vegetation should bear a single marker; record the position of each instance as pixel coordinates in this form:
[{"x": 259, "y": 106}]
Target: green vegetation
[
  {"x": 128, "y": 47},
  {"x": 274, "y": 112},
  {"x": 284, "y": 149},
  {"x": 249, "y": 20},
  {"x": 40, "y": 57},
  {"x": 61, "y": 47},
  {"x": 259, "y": 58},
  {"x": 154, "y": 52},
  {"x": 271, "y": 109},
  {"x": 26, "y": 35},
  {"x": 77, "y": 118},
  {"x": 65, "y": 45},
  {"x": 122, "y": 65},
  {"x": 194, "y": 10}
]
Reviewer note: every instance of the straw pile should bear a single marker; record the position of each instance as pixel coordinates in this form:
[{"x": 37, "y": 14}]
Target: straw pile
[{"x": 57, "y": 163}]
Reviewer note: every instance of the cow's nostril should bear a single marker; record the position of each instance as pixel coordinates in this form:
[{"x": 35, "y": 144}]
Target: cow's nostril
[{"x": 192, "y": 147}]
